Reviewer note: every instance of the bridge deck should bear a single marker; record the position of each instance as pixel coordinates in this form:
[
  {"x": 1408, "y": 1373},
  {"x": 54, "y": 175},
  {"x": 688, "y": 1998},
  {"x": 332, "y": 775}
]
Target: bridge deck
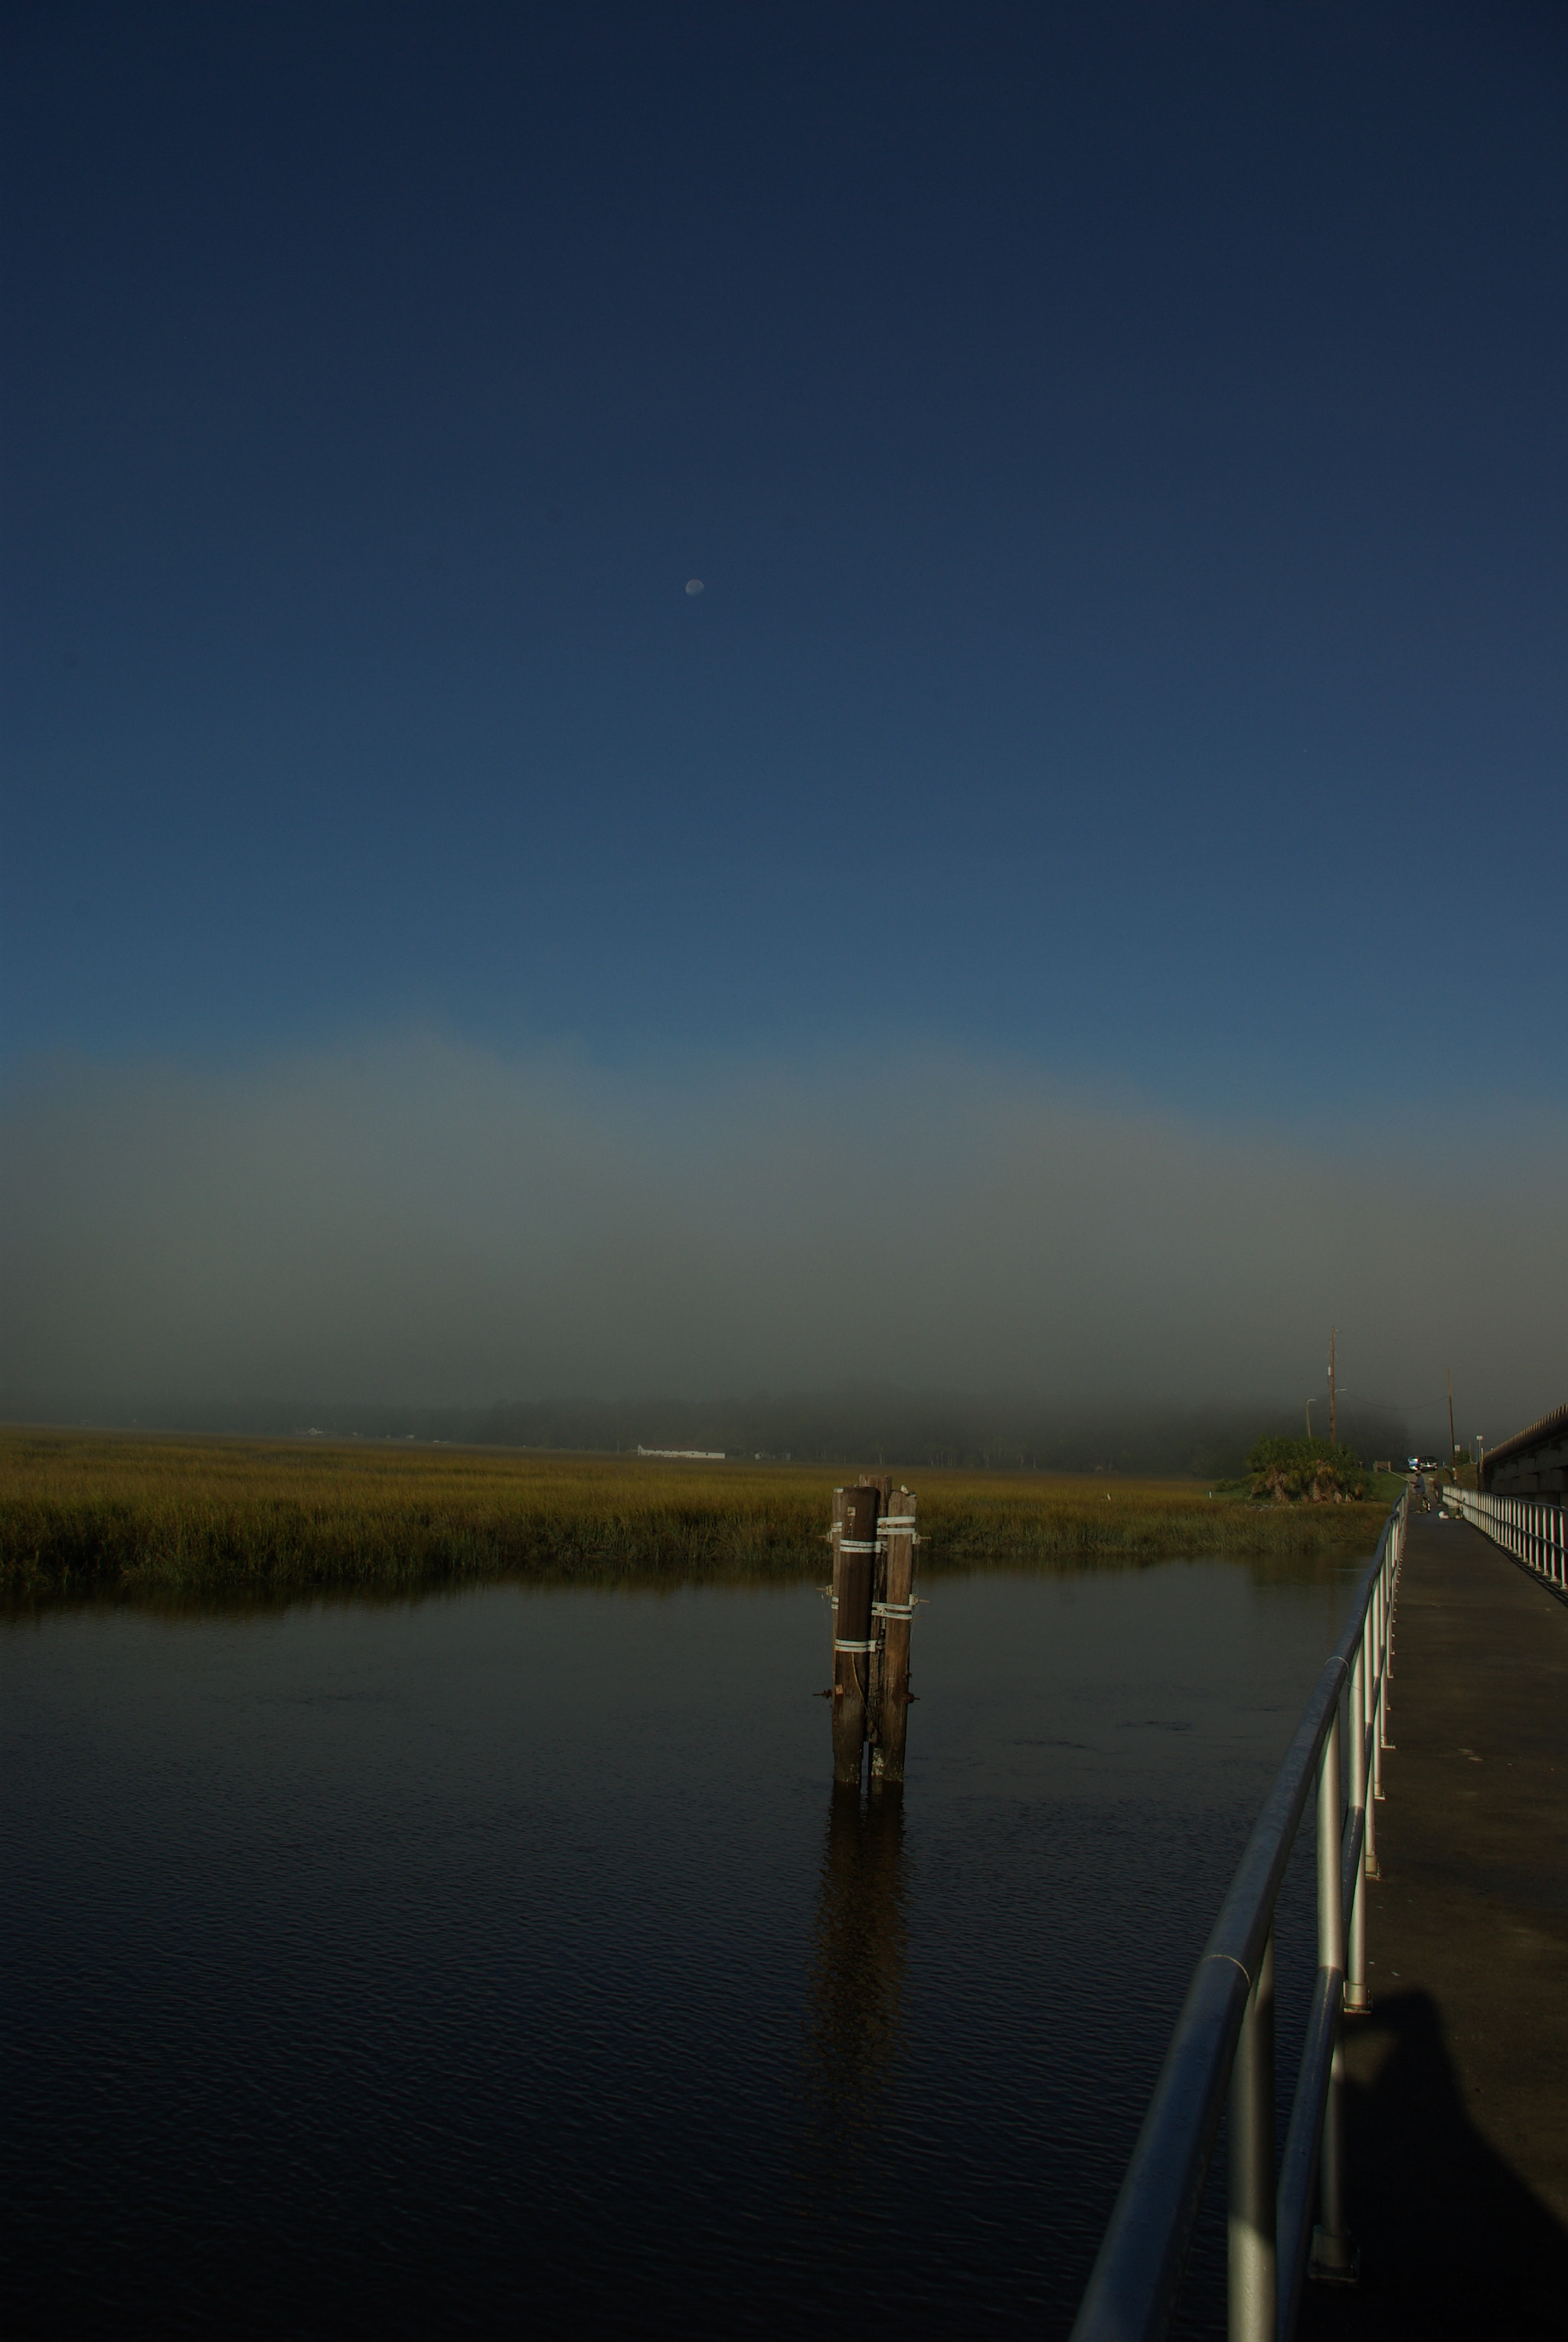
[{"x": 1458, "y": 2104}]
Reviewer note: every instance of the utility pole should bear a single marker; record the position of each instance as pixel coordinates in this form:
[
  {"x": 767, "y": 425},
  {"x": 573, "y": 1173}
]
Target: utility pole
[
  {"x": 1309, "y": 1422},
  {"x": 1452, "y": 1446},
  {"x": 1333, "y": 1402}
]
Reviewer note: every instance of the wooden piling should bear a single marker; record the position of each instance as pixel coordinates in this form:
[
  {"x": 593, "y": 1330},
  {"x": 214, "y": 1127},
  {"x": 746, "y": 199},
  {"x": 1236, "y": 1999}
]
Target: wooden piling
[
  {"x": 854, "y": 1644},
  {"x": 883, "y": 1483},
  {"x": 890, "y": 1717},
  {"x": 835, "y": 1540}
]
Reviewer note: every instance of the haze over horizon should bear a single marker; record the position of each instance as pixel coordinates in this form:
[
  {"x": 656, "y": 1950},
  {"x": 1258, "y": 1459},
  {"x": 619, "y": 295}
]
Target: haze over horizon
[
  {"x": 421, "y": 1221},
  {"x": 1067, "y": 907}
]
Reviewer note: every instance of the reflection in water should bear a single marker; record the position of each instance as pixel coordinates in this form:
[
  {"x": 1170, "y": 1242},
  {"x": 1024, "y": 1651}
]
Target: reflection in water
[{"x": 859, "y": 1953}]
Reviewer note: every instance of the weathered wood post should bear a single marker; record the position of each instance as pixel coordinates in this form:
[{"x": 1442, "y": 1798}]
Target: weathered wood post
[
  {"x": 894, "y": 1613},
  {"x": 883, "y": 1484},
  {"x": 854, "y": 1644}
]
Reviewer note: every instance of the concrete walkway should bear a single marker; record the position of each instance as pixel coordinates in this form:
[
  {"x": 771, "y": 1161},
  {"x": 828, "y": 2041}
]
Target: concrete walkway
[{"x": 1458, "y": 2103}]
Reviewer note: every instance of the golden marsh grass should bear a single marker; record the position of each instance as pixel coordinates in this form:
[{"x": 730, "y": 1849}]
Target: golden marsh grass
[{"x": 103, "y": 1513}]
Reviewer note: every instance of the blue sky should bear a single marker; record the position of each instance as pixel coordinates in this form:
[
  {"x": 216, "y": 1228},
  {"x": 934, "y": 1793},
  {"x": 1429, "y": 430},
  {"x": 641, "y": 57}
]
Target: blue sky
[{"x": 1121, "y": 449}]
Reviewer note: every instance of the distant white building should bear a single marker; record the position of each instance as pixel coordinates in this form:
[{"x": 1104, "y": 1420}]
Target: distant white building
[{"x": 687, "y": 1455}]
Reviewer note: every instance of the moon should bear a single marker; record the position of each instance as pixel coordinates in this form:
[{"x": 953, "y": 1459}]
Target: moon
[{"x": 693, "y": 584}]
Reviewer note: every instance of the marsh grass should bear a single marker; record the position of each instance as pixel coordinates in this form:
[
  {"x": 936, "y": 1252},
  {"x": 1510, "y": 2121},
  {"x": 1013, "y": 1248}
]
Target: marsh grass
[{"x": 84, "y": 1513}]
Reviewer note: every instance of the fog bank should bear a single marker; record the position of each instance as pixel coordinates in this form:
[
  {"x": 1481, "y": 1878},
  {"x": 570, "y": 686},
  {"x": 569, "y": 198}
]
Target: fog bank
[
  {"x": 849, "y": 1427},
  {"x": 420, "y": 1221}
]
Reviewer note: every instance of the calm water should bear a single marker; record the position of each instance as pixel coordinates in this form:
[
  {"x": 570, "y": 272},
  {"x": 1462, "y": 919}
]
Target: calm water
[{"x": 506, "y": 1959}]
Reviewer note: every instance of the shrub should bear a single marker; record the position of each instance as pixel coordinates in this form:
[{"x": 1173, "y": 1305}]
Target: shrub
[{"x": 1306, "y": 1471}]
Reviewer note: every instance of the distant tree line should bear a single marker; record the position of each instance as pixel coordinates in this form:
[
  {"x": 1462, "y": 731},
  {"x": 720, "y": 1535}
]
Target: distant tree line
[{"x": 851, "y": 1425}]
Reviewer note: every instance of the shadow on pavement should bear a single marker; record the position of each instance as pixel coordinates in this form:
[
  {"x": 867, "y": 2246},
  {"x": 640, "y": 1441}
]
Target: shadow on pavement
[{"x": 1452, "y": 2240}]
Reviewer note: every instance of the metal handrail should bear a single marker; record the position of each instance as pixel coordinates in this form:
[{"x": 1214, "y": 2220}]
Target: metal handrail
[
  {"x": 1533, "y": 1533},
  {"x": 1224, "y": 2038}
]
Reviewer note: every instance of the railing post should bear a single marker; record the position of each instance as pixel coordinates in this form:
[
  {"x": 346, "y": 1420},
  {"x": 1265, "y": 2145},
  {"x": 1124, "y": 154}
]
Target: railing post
[
  {"x": 1369, "y": 1757},
  {"x": 1253, "y": 2265},
  {"x": 1333, "y": 2253},
  {"x": 1391, "y": 1569},
  {"x": 1357, "y": 2000},
  {"x": 1379, "y": 1668}
]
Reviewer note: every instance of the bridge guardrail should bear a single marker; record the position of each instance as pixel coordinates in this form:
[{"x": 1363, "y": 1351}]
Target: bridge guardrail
[
  {"x": 1224, "y": 2043},
  {"x": 1534, "y": 1533}
]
